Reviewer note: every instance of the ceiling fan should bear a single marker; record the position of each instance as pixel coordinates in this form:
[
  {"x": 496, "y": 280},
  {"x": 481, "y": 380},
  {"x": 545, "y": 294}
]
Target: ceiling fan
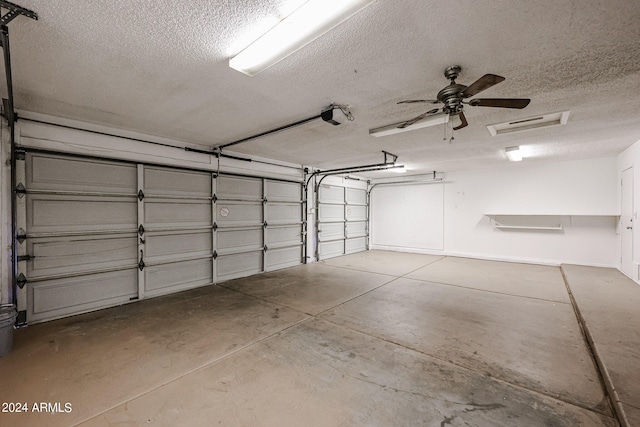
[{"x": 453, "y": 97}]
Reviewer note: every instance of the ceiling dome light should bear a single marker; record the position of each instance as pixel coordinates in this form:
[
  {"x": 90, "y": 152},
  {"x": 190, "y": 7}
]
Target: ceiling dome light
[{"x": 513, "y": 153}]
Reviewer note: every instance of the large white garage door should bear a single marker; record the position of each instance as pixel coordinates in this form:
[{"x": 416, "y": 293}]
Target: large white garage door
[
  {"x": 98, "y": 233},
  {"x": 342, "y": 220}
]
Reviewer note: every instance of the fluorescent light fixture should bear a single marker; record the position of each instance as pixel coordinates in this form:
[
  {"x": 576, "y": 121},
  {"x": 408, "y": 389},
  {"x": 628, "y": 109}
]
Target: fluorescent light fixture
[
  {"x": 513, "y": 154},
  {"x": 305, "y": 24},
  {"x": 391, "y": 129}
]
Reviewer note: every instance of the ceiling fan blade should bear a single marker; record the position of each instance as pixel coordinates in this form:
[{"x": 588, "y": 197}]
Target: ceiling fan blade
[
  {"x": 464, "y": 121},
  {"x": 518, "y": 103},
  {"x": 484, "y": 82},
  {"x": 416, "y": 101},
  {"x": 417, "y": 119}
]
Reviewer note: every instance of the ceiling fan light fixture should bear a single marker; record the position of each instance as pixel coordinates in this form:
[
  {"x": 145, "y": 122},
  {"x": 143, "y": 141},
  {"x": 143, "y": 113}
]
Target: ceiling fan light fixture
[
  {"x": 311, "y": 20},
  {"x": 513, "y": 153},
  {"x": 455, "y": 120}
]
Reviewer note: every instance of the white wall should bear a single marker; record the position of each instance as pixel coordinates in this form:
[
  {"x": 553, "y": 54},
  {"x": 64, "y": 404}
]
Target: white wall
[
  {"x": 408, "y": 217},
  {"x": 582, "y": 196}
]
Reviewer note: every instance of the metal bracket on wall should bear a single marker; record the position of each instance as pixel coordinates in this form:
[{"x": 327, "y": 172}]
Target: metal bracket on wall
[{"x": 14, "y": 11}]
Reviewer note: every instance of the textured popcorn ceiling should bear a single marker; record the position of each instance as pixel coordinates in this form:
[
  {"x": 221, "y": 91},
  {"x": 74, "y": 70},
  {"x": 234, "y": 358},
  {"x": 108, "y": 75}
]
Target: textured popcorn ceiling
[{"x": 160, "y": 67}]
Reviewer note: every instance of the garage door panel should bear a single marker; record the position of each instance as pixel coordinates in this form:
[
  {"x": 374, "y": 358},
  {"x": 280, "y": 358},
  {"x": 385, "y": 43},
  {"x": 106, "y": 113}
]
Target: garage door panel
[
  {"x": 234, "y": 240},
  {"x": 278, "y": 191},
  {"x": 175, "y": 182},
  {"x": 235, "y": 214},
  {"x": 331, "y": 194},
  {"x": 177, "y": 213},
  {"x": 175, "y": 276},
  {"x": 356, "y": 229},
  {"x": 356, "y": 213},
  {"x": 59, "y": 297},
  {"x": 331, "y": 249},
  {"x": 73, "y": 255},
  {"x": 355, "y": 245},
  {"x": 356, "y": 196},
  {"x": 239, "y": 265},
  {"x": 282, "y": 213},
  {"x": 53, "y": 173},
  {"x": 331, "y": 231},
  {"x": 59, "y": 214},
  {"x": 283, "y": 258},
  {"x": 327, "y": 213},
  {"x": 168, "y": 245},
  {"x": 280, "y": 236},
  {"x": 233, "y": 188}
]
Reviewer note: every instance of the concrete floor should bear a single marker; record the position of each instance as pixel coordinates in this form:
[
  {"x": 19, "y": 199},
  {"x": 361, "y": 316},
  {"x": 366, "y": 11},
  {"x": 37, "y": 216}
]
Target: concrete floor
[{"x": 376, "y": 339}]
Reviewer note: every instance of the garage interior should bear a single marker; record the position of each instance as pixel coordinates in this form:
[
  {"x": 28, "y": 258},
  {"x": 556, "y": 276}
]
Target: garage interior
[{"x": 188, "y": 243}]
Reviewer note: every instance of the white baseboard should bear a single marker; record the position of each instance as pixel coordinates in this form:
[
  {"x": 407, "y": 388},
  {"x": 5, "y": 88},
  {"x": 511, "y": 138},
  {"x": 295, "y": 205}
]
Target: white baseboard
[{"x": 489, "y": 257}]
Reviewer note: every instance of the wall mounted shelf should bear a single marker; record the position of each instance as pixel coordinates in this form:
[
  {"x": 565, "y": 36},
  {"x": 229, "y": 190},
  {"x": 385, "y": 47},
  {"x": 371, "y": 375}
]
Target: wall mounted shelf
[{"x": 538, "y": 222}]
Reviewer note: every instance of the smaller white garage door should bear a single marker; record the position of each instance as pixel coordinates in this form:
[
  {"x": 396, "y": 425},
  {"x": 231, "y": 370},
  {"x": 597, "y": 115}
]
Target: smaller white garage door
[{"x": 342, "y": 220}]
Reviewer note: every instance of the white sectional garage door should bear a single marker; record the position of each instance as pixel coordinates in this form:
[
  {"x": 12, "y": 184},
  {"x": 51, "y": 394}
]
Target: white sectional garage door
[
  {"x": 342, "y": 220},
  {"x": 98, "y": 233}
]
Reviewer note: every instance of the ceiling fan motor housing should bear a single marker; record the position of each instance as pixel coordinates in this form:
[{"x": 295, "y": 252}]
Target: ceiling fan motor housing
[{"x": 451, "y": 97}]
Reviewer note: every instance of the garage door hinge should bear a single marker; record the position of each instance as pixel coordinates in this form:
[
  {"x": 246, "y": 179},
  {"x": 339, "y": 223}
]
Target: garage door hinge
[
  {"x": 141, "y": 264},
  {"x": 266, "y": 248},
  {"x": 265, "y": 224},
  {"x": 215, "y": 254},
  {"x": 21, "y": 281},
  {"x": 215, "y": 226},
  {"x": 20, "y": 190},
  {"x": 22, "y": 236},
  {"x": 25, "y": 258},
  {"x": 214, "y": 198},
  {"x": 141, "y": 230},
  {"x": 140, "y": 195}
]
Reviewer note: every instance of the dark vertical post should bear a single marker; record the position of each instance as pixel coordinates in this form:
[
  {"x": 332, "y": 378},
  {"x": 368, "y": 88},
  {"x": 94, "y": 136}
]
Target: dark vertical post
[{"x": 10, "y": 116}]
